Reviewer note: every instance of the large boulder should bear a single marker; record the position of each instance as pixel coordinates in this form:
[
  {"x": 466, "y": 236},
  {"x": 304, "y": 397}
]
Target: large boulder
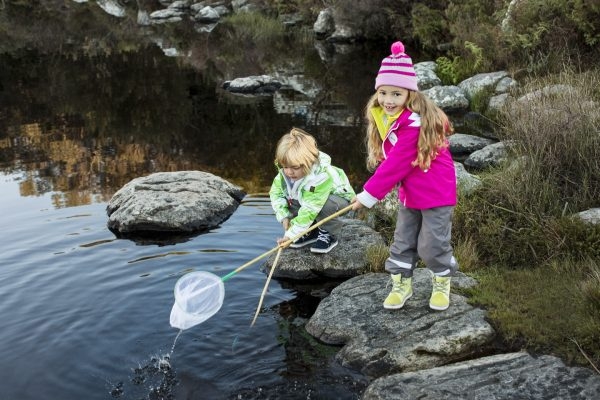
[
  {"x": 177, "y": 202},
  {"x": 346, "y": 260},
  {"x": 379, "y": 342},
  {"x": 503, "y": 376}
]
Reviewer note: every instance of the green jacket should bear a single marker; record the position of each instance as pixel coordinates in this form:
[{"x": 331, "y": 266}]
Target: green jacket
[{"x": 311, "y": 192}]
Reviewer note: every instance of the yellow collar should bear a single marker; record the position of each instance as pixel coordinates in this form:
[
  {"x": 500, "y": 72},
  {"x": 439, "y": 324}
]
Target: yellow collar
[{"x": 383, "y": 121}]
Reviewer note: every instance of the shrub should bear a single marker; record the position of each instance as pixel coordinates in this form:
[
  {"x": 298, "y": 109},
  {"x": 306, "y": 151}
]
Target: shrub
[
  {"x": 430, "y": 26},
  {"x": 519, "y": 216},
  {"x": 459, "y": 68},
  {"x": 543, "y": 33}
]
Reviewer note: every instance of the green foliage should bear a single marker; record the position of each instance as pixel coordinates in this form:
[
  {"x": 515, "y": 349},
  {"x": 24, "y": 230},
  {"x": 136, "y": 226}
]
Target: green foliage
[
  {"x": 430, "y": 26},
  {"x": 537, "y": 29},
  {"x": 459, "y": 68},
  {"x": 522, "y": 306},
  {"x": 590, "y": 288},
  {"x": 585, "y": 16},
  {"x": 519, "y": 215},
  {"x": 376, "y": 256}
]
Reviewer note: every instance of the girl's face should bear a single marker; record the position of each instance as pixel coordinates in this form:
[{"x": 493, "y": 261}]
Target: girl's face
[
  {"x": 294, "y": 172},
  {"x": 392, "y": 98}
]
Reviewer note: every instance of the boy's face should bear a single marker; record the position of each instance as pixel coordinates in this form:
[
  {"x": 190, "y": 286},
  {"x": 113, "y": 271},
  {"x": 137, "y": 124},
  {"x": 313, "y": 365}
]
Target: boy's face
[
  {"x": 294, "y": 172},
  {"x": 392, "y": 98}
]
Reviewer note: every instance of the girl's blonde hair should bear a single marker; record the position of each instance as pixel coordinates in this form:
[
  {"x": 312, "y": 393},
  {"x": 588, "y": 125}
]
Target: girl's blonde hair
[
  {"x": 435, "y": 127},
  {"x": 297, "y": 148}
]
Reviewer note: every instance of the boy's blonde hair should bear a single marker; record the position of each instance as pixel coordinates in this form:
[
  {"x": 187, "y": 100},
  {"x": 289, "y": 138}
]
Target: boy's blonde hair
[
  {"x": 297, "y": 148},
  {"x": 435, "y": 127}
]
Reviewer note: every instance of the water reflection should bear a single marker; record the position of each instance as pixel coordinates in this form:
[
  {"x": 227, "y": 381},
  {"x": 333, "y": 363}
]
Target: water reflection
[{"x": 82, "y": 129}]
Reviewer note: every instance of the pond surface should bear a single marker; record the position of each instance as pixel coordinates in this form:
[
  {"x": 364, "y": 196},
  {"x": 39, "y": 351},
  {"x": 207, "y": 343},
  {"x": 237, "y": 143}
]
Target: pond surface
[{"x": 86, "y": 315}]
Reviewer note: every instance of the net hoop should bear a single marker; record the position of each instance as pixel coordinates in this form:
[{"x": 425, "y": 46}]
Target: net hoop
[{"x": 198, "y": 296}]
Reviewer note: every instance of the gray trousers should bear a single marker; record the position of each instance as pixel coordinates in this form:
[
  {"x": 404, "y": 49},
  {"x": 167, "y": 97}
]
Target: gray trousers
[
  {"x": 423, "y": 234},
  {"x": 333, "y": 204}
]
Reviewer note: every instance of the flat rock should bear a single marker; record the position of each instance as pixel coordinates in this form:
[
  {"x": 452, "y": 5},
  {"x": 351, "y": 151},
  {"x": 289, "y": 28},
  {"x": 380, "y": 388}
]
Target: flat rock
[
  {"x": 499, "y": 377},
  {"x": 346, "y": 260},
  {"x": 177, "y": 202},
  {"x": 379, "y": 342}
]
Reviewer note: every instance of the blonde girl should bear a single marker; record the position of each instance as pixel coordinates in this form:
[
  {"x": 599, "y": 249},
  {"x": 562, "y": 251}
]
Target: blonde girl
[{"x": 408, "y": 150}]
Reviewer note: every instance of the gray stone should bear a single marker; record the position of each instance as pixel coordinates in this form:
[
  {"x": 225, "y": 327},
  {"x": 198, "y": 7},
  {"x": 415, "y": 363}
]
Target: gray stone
[
  {"x": 505, "y": 85},
  {"x": 497, "y": 103},
  {"x": 499, "y": 377},
  {"x": 426, "y": 76},
  {"x": 379, "y": 342},
  {"x": 491, "y": 155},
  {"x": 481, "y": 82},
  {"x": 252, "y": 85},
  {"x": 591, "y": 216},
  {"x": 324, "y": 25},
  {"x": 112, "y": 7},
  {"x": 347, "y": 259},
  {"x": 461, "y": 143},
  {"x": 448, "y": 98},
  {"x": 465, "y": 181},
  {"x": 180, "y": 202}
]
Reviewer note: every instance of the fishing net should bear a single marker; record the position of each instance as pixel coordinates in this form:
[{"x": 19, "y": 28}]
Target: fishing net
[{"x": 198, "y": 296}]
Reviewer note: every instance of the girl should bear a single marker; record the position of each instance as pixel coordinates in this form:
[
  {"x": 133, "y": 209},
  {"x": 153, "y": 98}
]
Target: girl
[
  {"x": 308, "y": 188},
  {"x": 407, "y": 147}
]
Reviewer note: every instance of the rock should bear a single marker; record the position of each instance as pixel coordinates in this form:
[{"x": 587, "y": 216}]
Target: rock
[
  {"x": 379, "y": 342},
  {"x": 497, "y": 103},
  {"x": 112, "y": 7},
  {"x": 465, "y": 181},
  {"x": 252, "y": 85},
  {"x": 482, "y": 82},
  {"x": 426, "y": 76},
  {"x": 346, "y": 260},
  {"x": 448, "y": 98},
  {"x": 491, "y": 155},
  {"x": 503, "y": 376},
  {"x": 591, "y": 216},
  {"x": 324, "y": 25},
  {"x": 461, "y": 143},
  {"x": 178, "y": 202}
]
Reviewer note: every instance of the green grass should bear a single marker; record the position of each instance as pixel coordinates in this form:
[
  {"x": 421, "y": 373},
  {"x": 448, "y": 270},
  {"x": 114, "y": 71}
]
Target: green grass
[{"x": 542, "y": 309}]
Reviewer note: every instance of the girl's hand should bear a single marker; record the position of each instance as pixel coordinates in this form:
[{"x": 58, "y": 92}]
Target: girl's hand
[
  {"x": 286, "y": 224},
  {"x": 356, "y": 205}
]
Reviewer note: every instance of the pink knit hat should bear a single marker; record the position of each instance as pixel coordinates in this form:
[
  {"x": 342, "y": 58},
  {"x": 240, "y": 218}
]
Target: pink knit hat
[{"x": 397, "y": 70}]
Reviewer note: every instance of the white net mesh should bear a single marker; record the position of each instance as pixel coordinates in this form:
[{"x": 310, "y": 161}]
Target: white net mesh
[{"x": 198, "y": 296}]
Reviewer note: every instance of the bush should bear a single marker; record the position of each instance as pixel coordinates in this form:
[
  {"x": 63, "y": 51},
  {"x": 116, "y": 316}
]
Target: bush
[{"x": 519, "y": 217}]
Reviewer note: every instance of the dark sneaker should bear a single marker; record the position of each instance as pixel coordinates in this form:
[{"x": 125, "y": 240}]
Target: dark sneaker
[
  {"x": 305, "y": 240},
  {"x": 325, "y": 242}
]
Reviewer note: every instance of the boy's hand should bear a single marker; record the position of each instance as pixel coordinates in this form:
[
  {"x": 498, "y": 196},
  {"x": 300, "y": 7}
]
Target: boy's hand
[{"x": 282, "y": 241}]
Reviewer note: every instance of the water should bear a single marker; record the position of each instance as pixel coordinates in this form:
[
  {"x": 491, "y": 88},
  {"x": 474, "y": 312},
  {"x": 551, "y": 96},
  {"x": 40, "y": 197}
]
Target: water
[{"x": 86, "y": 315}]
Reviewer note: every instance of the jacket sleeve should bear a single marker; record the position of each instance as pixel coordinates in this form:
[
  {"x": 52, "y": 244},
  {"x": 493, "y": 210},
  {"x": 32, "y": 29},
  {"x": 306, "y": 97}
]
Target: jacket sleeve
[
  {"x": 394, "y": 169},
  {"x": 314, "y": 197},
  {"x": 278, "y": 196}
]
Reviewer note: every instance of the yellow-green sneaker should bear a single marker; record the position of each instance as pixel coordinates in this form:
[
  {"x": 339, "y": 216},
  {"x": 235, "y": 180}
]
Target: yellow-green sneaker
[
  {"x": 440, "y": 295},
  {"x": 401, "y": 291}
]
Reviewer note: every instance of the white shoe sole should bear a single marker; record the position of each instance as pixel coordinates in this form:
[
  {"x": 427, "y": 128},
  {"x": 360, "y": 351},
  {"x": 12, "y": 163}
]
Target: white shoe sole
[
  {"x": 303, "y": 244},
  {"x": 388, "y": 307},
  {"x": 323, "y": 251},
  {"x": 438, "y": 308}
]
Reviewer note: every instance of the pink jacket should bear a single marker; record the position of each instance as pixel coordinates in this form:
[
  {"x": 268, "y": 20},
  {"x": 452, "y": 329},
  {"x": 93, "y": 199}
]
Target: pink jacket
[{"x": 418, "y": 189}]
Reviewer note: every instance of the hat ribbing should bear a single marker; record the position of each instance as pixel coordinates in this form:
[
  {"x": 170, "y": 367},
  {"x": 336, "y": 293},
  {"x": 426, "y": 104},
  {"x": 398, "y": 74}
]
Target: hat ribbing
[{"x": 397, "y": 70}]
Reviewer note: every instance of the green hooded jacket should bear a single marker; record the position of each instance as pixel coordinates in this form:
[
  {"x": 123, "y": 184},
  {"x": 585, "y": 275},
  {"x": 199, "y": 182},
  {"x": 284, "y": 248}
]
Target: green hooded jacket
[{"x": 312, "y": 192}]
